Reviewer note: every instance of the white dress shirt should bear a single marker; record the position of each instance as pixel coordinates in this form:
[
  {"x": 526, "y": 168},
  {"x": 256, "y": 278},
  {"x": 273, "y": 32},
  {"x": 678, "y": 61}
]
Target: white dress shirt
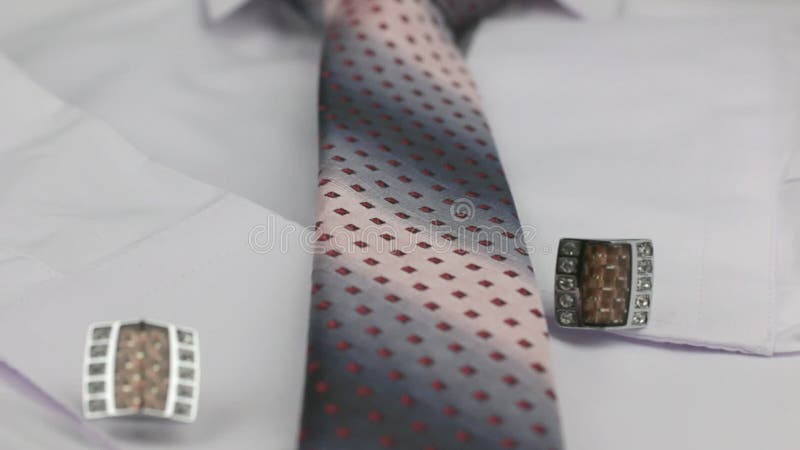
[{"x": 158, "y": 160}]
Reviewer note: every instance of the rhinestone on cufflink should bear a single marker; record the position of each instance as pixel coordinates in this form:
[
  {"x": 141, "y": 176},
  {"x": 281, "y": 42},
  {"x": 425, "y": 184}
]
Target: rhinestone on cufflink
[
  {"x": 141, "y": 368},
  {"x": 604, "y": 283}
]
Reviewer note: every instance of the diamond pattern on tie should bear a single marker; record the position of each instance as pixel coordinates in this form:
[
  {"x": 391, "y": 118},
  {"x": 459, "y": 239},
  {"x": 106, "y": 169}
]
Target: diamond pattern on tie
[{"x": 426, "y": 328}]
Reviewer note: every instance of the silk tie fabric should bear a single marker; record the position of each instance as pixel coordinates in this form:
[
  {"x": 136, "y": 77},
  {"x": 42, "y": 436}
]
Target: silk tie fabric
[{"x": 426, "y": 329}]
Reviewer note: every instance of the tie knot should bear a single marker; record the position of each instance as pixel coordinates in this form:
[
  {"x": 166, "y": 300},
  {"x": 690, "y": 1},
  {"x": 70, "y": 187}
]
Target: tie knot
[{"x": 459, "y": 14}]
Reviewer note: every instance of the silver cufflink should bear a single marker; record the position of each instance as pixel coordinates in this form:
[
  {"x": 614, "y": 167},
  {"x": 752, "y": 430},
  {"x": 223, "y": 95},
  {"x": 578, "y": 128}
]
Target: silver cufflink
[
  {"x": 141, "y": 368},
  {"x": 604, "y": 283}
]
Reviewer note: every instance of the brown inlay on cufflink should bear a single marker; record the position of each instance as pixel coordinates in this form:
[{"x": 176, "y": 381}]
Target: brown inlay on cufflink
[
  {"x": 605, "y": 284},
  {"x": 141, "y": 377}
]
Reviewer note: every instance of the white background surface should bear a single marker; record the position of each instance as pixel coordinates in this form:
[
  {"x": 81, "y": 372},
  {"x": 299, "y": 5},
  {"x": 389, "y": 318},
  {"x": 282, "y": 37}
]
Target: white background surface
[{"x": 233, "y": 107}]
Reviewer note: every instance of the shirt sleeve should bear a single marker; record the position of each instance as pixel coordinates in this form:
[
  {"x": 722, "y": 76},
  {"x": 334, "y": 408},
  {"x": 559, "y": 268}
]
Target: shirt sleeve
[{"x": 104, "y": 233}]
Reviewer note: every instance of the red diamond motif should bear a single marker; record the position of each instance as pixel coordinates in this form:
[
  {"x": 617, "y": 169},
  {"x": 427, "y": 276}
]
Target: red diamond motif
[
  {"x": 510, "y": 380},
  {"x": 414, "y": 339},
  {"x": 402, "y": 318},
  {"x": 498, "y": 302}
]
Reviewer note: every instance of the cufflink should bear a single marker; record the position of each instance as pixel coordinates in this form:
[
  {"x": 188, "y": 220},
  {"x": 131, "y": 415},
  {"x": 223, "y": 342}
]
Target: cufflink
[
  {"x": 141, "y": 368},
  {"x": 604, "y": 283}
]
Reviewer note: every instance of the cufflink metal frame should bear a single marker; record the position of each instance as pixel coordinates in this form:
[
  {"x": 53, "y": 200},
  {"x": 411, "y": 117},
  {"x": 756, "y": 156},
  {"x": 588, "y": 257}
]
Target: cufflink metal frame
[
  {"x": 141, "y": 368},
  {"x": 604, "y": 283}
]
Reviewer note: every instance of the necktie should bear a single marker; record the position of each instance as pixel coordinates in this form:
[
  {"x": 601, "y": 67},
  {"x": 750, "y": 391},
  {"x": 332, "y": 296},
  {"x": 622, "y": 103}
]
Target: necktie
[{"x": 426, "y": 327}]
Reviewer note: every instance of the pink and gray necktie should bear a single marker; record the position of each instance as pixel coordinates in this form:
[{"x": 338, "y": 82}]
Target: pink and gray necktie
[{"x": 426, "y": 329}]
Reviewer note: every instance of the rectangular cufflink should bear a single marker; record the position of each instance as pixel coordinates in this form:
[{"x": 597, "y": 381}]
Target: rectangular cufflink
[
  {"x": 604, "y": 283},
  {"x": 141, "y": 368}
]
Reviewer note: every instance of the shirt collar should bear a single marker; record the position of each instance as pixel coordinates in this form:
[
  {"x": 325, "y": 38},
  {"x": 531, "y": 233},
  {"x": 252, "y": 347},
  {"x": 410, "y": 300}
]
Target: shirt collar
[
  {"x": 595, "y": 9},
  {"x": 217, "y": 10}
]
